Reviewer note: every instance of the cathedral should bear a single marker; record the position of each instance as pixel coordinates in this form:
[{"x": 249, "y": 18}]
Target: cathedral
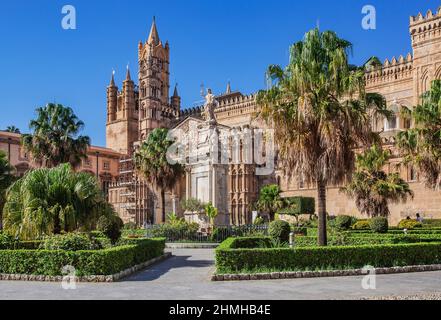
[{"x": 137, "y": 109}]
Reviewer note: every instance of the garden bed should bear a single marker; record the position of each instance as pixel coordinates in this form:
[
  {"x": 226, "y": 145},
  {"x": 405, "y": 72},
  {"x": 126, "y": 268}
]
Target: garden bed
[
  {"x": 104, "y": 262},
  {"x": 241, "y": 255}
]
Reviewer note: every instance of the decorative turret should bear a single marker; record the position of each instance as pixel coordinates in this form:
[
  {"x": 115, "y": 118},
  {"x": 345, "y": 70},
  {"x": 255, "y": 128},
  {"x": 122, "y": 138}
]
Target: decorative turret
[
  {"x": 176, "y": 99},
  {"x": 228, "y": 91},
  {"x": 129, "y": 95},
  {"x": 112, "y": 99}
]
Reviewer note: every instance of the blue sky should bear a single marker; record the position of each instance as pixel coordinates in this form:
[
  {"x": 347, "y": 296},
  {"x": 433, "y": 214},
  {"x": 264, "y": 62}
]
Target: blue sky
[{"x": 211, "y": 42}]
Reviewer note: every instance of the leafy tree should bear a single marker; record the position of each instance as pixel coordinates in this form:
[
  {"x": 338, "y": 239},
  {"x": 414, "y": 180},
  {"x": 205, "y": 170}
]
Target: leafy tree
[
  {"x": 48, "y": 201},
  {"x": 211, "y": 212},
  {"x": 372, "y": 188},
  {"x": 12, "y": 129},
  {"x": 55, "y": 138},
  {"x": 152, "y": 163},
  {"x": 192, "y": 205},
  {"x": 421, "y": 145},
  {"x": 269, "y": 200},
  {"x": 320, "y": 111},
  {"x": 6, "y": 179}
]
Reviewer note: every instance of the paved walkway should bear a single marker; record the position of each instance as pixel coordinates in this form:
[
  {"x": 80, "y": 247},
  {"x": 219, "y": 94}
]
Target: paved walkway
[{"x": 186, "y": 276}]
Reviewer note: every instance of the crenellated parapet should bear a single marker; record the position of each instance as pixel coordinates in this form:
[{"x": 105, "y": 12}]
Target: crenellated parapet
[
  {"x": 391, "y": 71},
  {"x": 195, "y": 112},
  {"x": 423, "y": 28},
  {"x": 232, "y": 104}
]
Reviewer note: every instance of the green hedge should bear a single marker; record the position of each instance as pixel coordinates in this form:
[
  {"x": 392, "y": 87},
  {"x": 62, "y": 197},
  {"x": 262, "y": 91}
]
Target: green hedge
[
  {"x": 298, "y": 205},
  {"x": 230, "y": 260},
  {"x": 94, "y": 262},
  {"x": 313, "y": 231},
  {"x": 373, "y": 239}
]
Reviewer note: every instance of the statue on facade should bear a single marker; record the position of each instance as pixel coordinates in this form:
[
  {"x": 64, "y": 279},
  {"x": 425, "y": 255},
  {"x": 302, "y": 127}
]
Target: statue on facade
[{"x": 210, "y": 105}]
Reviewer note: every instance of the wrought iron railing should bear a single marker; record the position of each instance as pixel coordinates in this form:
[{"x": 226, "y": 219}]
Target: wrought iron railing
[{"x": 218, "y": 234}]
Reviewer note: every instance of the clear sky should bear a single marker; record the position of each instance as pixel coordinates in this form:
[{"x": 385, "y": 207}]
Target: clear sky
[{"x": 211, "y": 42}]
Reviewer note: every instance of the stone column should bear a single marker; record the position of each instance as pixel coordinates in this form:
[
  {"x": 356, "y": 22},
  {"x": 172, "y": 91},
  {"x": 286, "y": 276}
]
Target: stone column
[{"x": 187, "y": 184}]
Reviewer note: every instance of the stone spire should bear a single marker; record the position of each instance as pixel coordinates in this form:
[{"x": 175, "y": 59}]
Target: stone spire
[
  {"x": 154, "y": 36},
  {"x": 228, "y": 88},
  {"x": 128, "y": 77},
  {"x": 176, "y": 99},
  {"x": 112, "y": 81}
]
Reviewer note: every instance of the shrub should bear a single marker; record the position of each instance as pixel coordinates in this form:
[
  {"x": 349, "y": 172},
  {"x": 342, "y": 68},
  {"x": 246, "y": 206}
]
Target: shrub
[
  {"x": 70, "y": 242},
  {"x": 299, "y": 231},
  {"x": 409, "y": 224},
  {"x": 379, "y": 225},
  {"x": 130, "y": 226},
  {"x": 279, "y": 230},
  {"x": 56, "y": 199},
  {"x": 7, "y": 242},
  {"x": 343, "y": 222},
  {"x": 432, "y": 223},
  {"x": 362, "y": 225},
  {"x": 259, "y": 221},
  {"x": 231, "y": 260},
  {"x": 111, "y": 226},
  {"x": 92, "y": 262}
]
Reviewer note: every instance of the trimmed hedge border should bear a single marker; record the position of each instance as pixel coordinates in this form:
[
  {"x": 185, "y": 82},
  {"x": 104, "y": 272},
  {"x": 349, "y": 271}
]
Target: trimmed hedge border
[
  {"x": 236, "y": 256},
  {"x": 131, "y": 252},
  {"x": 100, "y": 278},
  {"x": 322, "y": 274}
]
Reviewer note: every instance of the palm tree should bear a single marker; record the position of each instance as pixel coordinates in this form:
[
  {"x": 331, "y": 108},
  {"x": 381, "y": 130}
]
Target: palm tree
[
  {"x": 372, "y": 188},
  {"x": 12, "y": 129},
  {"x": 421, "y": 145},
  {"x": 151, "y": 162},
  {"x": 55, "y": 138},
  {"x": 49, "y": 201},
  {"x": 269, "y": 200},
  {"x": 6, "y": 179},
  {"x": 320, "y": 111}
]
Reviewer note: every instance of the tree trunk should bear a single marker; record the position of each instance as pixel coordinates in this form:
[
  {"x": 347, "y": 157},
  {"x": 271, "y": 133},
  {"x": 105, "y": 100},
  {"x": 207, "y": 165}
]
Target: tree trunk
[
  {"x": 163, "y": 204},
  {"x": 321, "y": 199}
]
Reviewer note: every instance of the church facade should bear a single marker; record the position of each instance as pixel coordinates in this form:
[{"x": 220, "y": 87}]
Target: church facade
[{"x": 136, "y": 110}]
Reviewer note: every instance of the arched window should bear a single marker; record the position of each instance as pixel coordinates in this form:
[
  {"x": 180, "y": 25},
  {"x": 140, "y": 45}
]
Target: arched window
[{"x": 392, "y": 123}]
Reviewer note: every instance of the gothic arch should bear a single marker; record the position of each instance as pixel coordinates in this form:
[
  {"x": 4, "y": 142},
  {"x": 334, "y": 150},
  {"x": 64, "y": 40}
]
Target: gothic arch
[
  {"x": 438, "y": 74},
  {"x": 425, "y": 84}
]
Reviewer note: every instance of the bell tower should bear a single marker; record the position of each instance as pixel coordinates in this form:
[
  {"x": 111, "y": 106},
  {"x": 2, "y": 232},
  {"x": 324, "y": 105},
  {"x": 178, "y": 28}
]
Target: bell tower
[{"x": 155, "y": 109}]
